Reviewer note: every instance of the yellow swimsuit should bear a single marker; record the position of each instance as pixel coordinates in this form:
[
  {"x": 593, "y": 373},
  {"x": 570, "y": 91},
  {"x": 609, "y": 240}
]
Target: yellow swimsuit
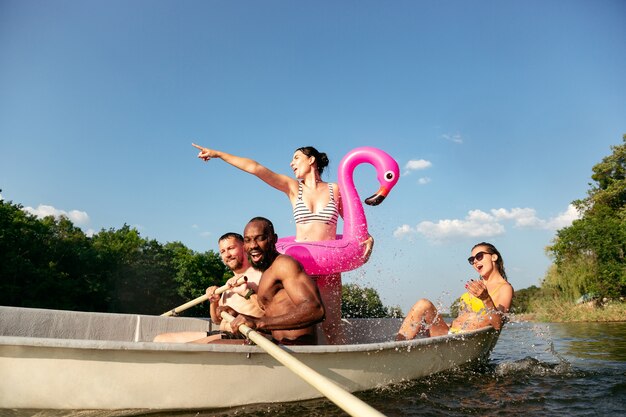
[{"x": 468, "y": 302}]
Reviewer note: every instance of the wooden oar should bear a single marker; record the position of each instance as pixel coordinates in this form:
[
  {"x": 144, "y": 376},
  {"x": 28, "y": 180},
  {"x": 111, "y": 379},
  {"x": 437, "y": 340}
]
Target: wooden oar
[
  {"x": 202, "y": 298},
  {"x": 342, "y": 398}
]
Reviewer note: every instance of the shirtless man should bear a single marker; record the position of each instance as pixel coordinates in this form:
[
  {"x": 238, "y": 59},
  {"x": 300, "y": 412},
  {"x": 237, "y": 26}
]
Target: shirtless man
[
  {"x": 289, "y": 297},
  {"x": 239, "y": 299}
]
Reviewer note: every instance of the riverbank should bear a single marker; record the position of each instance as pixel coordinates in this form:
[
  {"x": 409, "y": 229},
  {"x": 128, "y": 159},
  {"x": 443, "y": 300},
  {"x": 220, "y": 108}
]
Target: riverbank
[{"x": 558, "y": 311}]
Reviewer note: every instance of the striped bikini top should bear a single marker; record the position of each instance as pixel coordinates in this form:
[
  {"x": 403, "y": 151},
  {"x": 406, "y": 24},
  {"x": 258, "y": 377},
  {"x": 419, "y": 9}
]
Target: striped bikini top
[{"x": 328, "y": 215}]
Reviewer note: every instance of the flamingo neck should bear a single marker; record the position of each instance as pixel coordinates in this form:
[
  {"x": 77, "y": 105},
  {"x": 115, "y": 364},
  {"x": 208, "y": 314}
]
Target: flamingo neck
[{"x": 354, "y": 223}]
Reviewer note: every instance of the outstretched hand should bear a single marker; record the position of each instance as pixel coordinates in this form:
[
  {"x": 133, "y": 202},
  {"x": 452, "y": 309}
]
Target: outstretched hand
[{"x": 205, "y": 153}]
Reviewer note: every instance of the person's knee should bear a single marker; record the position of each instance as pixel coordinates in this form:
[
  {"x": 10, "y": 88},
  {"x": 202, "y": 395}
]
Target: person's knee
[{"x": 422, "y": 305}]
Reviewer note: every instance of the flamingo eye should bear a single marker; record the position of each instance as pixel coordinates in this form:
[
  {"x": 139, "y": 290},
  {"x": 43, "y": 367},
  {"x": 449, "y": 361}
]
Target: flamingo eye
[{"x": 389, "y": 176}]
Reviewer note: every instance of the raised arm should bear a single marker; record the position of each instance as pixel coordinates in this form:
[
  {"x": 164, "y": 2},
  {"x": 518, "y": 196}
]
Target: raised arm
[{"x": 279, "y": 181}]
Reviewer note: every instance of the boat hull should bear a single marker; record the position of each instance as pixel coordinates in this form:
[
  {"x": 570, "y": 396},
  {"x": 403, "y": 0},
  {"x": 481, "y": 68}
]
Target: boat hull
[{"x": 50, "y": 373}]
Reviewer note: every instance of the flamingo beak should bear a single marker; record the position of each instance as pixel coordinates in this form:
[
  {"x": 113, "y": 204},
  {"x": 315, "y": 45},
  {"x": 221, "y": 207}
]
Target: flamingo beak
[{"x": 377, "y": 198}]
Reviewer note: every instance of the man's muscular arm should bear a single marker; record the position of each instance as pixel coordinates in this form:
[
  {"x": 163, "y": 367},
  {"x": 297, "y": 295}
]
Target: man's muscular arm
[{"x": 308, "y": 308}]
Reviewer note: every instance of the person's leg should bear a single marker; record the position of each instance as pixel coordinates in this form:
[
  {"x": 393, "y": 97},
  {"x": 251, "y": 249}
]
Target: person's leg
[
  {"x": 179, "y": 337},
  {"x": 330, "y": 291},
  {"x": 422, "y": 320}
]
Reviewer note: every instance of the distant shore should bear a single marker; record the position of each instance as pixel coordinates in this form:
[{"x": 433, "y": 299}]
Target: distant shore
[{"x": 559, "y": 312}]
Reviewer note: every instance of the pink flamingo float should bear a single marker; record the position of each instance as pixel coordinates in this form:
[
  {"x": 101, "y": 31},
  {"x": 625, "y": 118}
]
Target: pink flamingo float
[{"x": 346, "y": 253}]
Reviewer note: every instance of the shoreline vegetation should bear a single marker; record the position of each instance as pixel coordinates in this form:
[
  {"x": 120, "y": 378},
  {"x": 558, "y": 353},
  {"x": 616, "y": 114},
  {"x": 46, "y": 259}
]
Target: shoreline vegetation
[{"x": 559, "y": 311}]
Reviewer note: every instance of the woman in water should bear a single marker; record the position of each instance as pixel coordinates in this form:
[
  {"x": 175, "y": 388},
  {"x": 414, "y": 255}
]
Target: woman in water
[
  {"x": 316, "y": 209},
  {"x": 485, "y": 303}
]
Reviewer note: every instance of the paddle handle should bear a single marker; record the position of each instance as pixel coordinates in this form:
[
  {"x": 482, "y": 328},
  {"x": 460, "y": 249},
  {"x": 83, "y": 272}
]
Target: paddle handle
[
  {"x": 202, "y": 298},
  {"x": 342, "y": 398}
]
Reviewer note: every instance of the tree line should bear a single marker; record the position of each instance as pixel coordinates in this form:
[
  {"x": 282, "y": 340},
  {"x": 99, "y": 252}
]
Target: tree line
[
  {"x": 50, "y": 263},
  {"x": 589, "y": 257}
]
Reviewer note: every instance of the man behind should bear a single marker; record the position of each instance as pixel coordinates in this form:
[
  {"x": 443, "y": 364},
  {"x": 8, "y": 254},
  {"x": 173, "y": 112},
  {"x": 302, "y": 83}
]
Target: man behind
[
  {"x": 238, "y": 298},
  {"x": 289, "y": 297}
]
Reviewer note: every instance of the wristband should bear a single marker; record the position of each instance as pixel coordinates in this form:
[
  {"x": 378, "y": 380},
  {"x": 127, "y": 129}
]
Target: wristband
[{"x": 248, "y": 294}]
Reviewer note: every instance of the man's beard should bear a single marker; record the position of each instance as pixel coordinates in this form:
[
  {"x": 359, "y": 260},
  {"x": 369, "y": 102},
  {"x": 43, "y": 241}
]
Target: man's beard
[
  {"x": 264, "y": 263},
  {"x": 238, "y": 264}
]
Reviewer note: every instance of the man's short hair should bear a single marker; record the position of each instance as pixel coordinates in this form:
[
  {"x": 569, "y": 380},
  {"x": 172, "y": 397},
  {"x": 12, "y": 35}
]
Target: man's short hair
[
  {"x": 268, "y": 223},
  {"x": 229, "y": 235}
]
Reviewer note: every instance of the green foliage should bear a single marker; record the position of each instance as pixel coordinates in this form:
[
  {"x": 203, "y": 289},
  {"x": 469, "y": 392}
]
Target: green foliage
[
  {"x": 522, "y": 299},
  {"x": 550, "y": 307},
  {"x": 590, "y": 255},
  {"x": 50, "y": 263},
  {"x": 454, "y": 308},
  {"x": 40, "y": 262},
  {"x": 364, "y": 302},
  {"x": 194, "y": 272}
]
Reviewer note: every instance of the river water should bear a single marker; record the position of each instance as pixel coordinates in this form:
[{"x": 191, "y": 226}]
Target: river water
[{"x": 536, "y": 369}]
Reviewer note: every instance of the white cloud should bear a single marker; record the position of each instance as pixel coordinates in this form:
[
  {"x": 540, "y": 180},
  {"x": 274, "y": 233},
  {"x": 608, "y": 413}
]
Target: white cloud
[
  {"x": 523, "y": 217},
  {"x": 478, "y": 223},
  {"x": 404, "y": 230},
  {"x": 79, "y": 218},
  {"x": 416, "y": 165},
  {"x": 423, "y": 180},
  {"x": 456, "y": 137},
  {"x": 564, "y": 219},
  {"x": 527, "y": 218}
]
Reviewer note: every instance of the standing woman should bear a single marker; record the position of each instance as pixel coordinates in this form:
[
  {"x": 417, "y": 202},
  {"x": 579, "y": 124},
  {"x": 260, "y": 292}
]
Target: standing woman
[
  {"x": 485, "y": 303},
  {"x": 316, "y": 208}
]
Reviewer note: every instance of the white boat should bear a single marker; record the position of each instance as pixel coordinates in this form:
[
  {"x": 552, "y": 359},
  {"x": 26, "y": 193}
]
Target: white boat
[{"x": 67, "y": 360}]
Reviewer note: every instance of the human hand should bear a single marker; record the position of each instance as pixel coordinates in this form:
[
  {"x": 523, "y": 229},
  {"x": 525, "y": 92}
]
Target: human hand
[
  {"x": 205, "y": 153},
  {"x": 368, "y": 244},
  {"x": 240, "y": 320},
  {"x": 238, "y": 287},
  {"x": 477, "y": 288},
  {"x": 210, "y": 292}
]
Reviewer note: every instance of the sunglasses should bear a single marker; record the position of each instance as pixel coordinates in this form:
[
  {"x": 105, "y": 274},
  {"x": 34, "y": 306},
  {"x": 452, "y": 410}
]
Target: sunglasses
[{"x": 478, "y": 257}]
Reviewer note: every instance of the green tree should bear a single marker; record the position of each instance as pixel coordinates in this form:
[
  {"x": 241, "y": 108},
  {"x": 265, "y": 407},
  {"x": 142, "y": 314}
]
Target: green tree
[
  {"x": 50, "y": 263},
  {"x": 194, "y": 273},
  {"x": 45, "y": 263},
  {"x": 521, "y": 301},
  {"x": 364, "y": 302},
  {"x": 590, "y": 255}
]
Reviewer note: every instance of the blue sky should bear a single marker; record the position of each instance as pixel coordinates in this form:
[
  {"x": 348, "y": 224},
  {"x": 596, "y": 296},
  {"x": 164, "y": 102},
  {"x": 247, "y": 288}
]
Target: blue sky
[{"x": 495, "y": 110}]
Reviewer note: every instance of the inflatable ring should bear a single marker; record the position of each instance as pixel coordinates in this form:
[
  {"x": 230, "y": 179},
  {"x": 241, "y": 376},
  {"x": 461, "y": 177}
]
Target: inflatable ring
[{"x": 345, "y": 253}]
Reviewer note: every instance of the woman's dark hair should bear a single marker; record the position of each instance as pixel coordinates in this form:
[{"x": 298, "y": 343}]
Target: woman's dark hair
[
  {"x": 321, "y": 159},
  {"x": 499, "y": 262}
]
